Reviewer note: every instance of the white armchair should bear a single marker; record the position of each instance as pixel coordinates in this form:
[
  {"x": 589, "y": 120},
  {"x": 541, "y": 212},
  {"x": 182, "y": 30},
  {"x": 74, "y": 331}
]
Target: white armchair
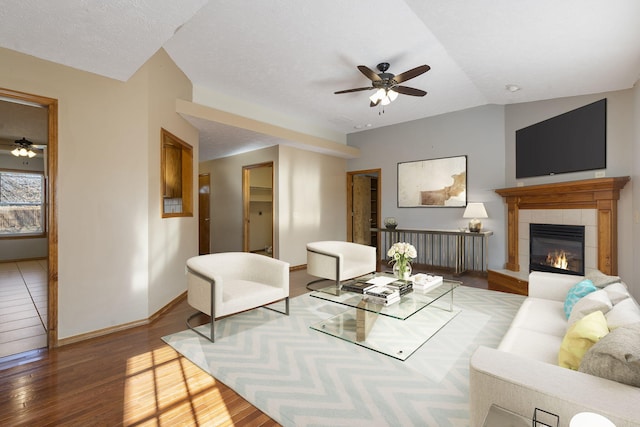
[
  {"x": 238, "y": 281},
  {"x": 336, "y": 260}
]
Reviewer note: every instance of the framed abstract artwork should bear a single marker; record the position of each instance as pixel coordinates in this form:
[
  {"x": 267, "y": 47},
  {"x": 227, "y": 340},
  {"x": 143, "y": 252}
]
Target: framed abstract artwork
[{"x": 433, "y": 183}]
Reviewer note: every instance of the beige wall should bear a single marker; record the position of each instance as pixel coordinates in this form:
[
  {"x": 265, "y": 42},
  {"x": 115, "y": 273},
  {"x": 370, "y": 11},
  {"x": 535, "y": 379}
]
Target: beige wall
[
  {"x": 309, "y": 200},
  {"x": 113, "y": 248}
]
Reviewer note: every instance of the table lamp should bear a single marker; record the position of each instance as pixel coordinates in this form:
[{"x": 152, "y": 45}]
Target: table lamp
[{"x": 475, "y": 211}]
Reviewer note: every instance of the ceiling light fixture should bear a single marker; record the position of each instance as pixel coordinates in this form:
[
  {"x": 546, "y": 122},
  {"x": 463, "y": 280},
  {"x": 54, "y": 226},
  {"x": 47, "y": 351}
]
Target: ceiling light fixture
[
  {"x": 23, "y": 148},
  {"x": 384, "y": 96}
]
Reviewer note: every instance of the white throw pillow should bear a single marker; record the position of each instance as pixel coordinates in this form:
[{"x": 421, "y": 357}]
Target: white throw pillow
[
  {"x": 617, "y": 292},
  {"x": 624, "y": 313},
  {"x": 595, "y": 301}
]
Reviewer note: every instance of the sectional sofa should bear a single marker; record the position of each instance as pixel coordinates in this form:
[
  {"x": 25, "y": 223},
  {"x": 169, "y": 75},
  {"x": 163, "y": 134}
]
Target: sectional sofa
[{"x": 524, "y": 372}]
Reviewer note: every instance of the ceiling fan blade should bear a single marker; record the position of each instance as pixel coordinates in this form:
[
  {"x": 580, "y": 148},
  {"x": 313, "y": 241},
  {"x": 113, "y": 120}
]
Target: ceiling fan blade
[
  {"x": 409, "y": 91},
  {"x": 374, "y": 104},
  {"x": 414, "y": 72},
  {"x": 353, "y": 90},
  {"x": 369, "y": 73}
]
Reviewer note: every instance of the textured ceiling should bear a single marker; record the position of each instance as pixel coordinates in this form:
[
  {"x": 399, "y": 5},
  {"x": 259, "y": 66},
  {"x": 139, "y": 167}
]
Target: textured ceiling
[{"x": 290, "y": 56}]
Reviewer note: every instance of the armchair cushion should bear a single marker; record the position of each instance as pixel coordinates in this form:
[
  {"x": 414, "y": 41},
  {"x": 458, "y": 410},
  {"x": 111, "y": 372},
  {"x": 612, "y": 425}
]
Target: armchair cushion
[
  {"x": 337, "y": 260},
  {"x": 241, "y": 281}
]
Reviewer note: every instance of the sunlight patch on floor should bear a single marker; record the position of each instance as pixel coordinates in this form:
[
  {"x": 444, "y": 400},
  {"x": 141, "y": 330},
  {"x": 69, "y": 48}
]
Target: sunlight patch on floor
[{"x": 161, "y": 387}]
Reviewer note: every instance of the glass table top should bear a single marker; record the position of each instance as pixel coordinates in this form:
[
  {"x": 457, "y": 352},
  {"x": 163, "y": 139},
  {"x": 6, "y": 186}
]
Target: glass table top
[
  {"x": 408, "y": 305},
  {"x": 396, "y": 330}
]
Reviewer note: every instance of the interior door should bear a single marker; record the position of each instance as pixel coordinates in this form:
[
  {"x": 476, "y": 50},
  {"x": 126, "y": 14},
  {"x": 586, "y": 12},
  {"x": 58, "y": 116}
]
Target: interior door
[
  {"x": 257, "y": 183},
  {"x": 204, "y": 219},
  {"x": 362, "y": 209}
]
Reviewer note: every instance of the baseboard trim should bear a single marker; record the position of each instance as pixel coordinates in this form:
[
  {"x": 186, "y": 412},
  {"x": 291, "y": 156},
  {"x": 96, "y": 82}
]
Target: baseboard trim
[{"x": 113, "y": 329}]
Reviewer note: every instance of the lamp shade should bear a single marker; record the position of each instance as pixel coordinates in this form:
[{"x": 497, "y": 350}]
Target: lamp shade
[{"x": 475, "y": 210}]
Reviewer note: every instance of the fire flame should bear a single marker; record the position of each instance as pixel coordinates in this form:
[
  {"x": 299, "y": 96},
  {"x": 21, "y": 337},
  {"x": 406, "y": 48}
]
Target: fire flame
[{"x": 558, "y": 260}]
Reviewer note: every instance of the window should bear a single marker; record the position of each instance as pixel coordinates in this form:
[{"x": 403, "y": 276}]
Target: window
[
  {"x": 177, "y": 176},
  {"x": 22, "y": 204}
]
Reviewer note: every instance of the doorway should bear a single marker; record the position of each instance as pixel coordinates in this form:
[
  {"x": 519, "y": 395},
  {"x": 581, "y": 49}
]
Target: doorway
[
  {"x": 363, "y": 206},
  {"x": 50, "y": 178},
  {"x": 257, "y": 201},
  {"x": 204, "y": 218}
]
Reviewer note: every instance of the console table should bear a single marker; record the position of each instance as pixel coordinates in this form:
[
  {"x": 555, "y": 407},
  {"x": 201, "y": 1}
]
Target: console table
[{"x": 459, "y": 250}]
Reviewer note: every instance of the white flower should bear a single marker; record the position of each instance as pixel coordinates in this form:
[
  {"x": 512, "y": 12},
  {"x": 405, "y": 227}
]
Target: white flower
[{"x": 402, "y": 252}]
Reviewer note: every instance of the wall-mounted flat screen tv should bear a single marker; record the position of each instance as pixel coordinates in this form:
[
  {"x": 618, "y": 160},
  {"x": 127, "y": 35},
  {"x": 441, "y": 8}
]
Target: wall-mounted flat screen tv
[{"x": 571, "y": 142}]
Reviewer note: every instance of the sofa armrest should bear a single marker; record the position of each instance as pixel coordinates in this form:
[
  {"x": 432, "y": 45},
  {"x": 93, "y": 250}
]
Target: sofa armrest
[
  {"x": 520, "y": 385},
  {"x": 553, "y": 286}
]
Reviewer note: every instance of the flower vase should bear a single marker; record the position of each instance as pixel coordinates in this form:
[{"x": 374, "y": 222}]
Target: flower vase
[{"x": 400, "y": 272}]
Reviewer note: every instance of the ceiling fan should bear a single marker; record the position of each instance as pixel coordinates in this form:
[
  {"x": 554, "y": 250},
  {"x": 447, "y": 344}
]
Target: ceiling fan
[
  {"x": 387, "y": 84},
  {"x": 23, "y": 148}
]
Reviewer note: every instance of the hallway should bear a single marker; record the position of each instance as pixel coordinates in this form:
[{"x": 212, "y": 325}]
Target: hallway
[{"x": 23, "y": 306}]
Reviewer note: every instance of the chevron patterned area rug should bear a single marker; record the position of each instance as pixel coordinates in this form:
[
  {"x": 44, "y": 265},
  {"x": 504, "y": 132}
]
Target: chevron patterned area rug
[{"x": 302, "y": 377}]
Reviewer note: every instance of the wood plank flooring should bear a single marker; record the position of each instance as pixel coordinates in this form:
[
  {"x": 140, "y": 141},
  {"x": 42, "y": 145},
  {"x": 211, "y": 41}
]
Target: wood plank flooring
[
  {"x": 128, "y": 378},
  {"x": 23, "y": 306}
]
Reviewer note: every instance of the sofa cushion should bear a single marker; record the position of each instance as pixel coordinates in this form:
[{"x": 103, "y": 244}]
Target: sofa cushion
[
  {"x": 616, "y": 357},
  {"x": 595, "y": 301},
  {"x": 617, "y": 292},
  {"x": 600, "y": 279},
  {"x": 580, "y": 337},
  {"x": 541, "y": 315},
  {"x": 531, "y": 344},
  {"x": 577, "y": 291},
  {"x": 626, "y": 312}
]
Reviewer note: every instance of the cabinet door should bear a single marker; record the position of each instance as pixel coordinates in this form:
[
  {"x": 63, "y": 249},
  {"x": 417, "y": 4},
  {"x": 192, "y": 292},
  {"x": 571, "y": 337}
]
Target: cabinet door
[{"x": 173, "y": 171}]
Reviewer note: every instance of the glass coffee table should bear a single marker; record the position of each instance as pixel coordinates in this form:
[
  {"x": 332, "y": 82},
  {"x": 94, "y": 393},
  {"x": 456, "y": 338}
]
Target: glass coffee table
[{"x": 396, "y": 330}]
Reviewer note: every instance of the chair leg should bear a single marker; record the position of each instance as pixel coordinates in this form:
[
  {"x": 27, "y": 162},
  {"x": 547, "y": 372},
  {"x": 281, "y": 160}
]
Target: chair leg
[
  {"x": 314, "y": 282},
  {"x": 193, "y": 328},
  {"x": 286, "y": 305}
]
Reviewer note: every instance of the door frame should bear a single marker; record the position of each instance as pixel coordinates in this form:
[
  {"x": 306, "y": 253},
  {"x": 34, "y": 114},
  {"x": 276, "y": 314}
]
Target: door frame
[
  {"x": 208, "y": 204},
  {"x": 52, "y": 208},
  {"x": 246, "y": 196},
  {"x": 350, "y": 176}
]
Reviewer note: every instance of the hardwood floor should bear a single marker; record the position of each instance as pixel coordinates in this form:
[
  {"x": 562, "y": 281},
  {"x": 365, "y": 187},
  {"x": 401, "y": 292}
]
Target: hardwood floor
[
  {"x": 128, "y": 378},
  {"x": 23, "y": 306}
]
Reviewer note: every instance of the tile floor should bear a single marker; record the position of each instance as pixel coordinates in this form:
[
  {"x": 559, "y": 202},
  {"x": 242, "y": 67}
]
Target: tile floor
[{"x": 23, "y": 306}]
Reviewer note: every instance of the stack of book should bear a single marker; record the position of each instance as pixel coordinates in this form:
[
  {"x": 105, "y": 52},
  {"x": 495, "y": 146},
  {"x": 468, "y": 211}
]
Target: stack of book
[
  {"x": 424, "y": 282},
  {"x": 382, "y": 294},
  {"x": 404, "y": 287},
  {"x": 357, "y": 287}
]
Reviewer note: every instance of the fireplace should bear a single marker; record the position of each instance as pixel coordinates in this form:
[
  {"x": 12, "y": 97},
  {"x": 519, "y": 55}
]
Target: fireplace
[{"x": 556, "y": 248}]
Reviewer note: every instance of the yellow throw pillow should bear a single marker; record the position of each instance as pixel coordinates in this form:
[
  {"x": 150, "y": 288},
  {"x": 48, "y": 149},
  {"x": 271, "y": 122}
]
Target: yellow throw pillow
[{"x": 580, "y": 337}]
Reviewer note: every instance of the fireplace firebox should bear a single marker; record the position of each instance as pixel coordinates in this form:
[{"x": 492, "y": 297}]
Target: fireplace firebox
[{"x": 556, "y": 248}]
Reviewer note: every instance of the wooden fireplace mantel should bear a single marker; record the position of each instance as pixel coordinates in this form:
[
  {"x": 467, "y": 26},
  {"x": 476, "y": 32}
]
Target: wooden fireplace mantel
[{"x": 599, "y": 193}]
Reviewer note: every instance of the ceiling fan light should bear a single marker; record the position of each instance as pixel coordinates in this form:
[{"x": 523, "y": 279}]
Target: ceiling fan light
[
  {"x": 15, "y": 151},
  {"x": 392, "y": 94},
  {"x": 386, "y": 101},
  {"x": 31, "y": 154},
  {"x": 23, "y": 151}
]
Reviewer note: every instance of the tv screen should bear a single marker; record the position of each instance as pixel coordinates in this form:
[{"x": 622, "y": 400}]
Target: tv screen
[{"x": 571, "y": 142}]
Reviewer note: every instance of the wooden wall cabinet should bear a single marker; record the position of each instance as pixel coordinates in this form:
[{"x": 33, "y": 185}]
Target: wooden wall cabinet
[{"x": 177, "y": 176}]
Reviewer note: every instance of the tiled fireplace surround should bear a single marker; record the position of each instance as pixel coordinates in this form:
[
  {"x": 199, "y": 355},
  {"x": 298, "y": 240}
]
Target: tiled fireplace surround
[
  {"x": 592, "y": 203},
  {"x": 586, "y": 217}
]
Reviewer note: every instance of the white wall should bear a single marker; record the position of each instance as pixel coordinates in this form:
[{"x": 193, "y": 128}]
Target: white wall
[
  {"x": 309, "y": 200},
  {"x": 113, "y": 248},
  {"x": 312, "y": 200},
  {"x": 635, "y": 191},
  {"x": 226, "y": 196},
  {"x": 477, "y": 133}
]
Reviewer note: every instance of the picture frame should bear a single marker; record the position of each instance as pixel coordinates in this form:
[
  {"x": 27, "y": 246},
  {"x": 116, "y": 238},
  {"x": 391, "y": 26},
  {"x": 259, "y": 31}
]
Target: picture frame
[{"x": 440, "y": 182}]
